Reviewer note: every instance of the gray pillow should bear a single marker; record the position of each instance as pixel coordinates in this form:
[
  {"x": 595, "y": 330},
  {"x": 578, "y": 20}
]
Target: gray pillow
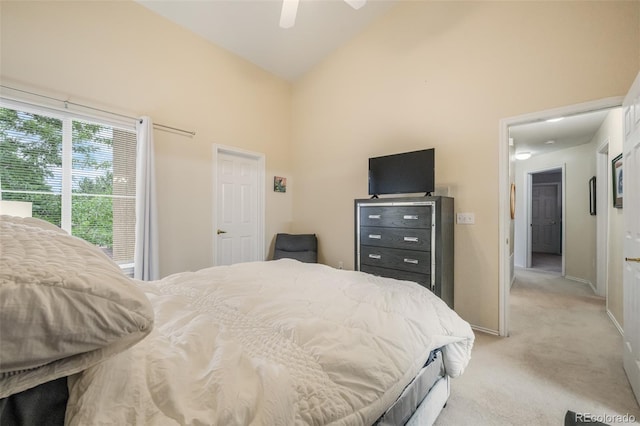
[{"x": 64, "y": 305}]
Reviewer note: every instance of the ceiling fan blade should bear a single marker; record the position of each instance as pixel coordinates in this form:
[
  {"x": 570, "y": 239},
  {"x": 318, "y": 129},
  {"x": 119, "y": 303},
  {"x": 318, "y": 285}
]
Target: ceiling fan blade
[
  {"x": 289, "y": 11},
  {"x": 356, "y": 4}
]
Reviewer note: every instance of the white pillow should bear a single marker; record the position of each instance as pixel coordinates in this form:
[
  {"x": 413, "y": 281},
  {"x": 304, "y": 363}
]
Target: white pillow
[
  {"x": 32, "y": 221},
  {"x": 64, "y": 305}
]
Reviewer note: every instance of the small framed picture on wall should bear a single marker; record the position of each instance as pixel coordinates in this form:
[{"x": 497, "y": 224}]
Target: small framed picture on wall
[
  {"x": 616, "y": 170},
  {"x": 279, "y": 184},
  {"x": 592, "y": 196}
]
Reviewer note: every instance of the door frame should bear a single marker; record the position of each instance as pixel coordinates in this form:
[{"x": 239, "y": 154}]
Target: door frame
[
  {"x": 529, "y": 205},
  {"x": 260, "y": 194},
  {"x": 504, "y": 213},
  {"x": 602, "y": 220}
]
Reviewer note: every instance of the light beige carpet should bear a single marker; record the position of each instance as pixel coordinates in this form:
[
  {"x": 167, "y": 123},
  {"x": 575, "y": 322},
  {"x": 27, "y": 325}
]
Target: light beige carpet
[
  {"x": 546, "y": 262},
  {"x": 563, "y": 354}
]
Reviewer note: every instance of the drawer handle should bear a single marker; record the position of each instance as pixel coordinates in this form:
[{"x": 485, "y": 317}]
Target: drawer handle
[
  {"x": 375, "y": 256},
  {"x": 413, "y": 261},
  {"x": 411, "y": 239},
  {"x": 410, "y": 217},
  {"x": 374, "y": 216},
  {"x": 375, "y": 236}
]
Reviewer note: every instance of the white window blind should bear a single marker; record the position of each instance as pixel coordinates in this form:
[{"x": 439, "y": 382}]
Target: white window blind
[{"x": 78, "y": 174}]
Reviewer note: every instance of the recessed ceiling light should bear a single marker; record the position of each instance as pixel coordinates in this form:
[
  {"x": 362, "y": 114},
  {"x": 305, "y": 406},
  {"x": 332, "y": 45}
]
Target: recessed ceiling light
[
  {"x": 356, "y": 4},
  {"x": 288, "y": 14},
  {"x": 550, "y": 142},
  {"x": 554, "y": 120},
  {"x": 524, "y": 155},
  {"x": 290, "y": 10}
]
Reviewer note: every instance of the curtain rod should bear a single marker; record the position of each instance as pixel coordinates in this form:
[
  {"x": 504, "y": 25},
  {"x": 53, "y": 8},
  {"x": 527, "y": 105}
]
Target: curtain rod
[{"x": 67, "y": 103}]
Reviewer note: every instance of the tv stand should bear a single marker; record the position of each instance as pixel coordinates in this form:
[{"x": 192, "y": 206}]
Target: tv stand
[{"x": 374, "y": 196}]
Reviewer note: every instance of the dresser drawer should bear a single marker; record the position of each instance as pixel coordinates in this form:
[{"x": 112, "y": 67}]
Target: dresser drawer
[
  {"x": 396, "y": 216},
  {"x": 402, "y": 238},
  {"x": 403, "y": 260},
  {"x": 422, "y": 279}
]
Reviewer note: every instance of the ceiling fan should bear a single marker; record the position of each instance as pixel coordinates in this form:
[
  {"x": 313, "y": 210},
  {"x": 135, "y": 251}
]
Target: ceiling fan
[{"x": 290, "y": 9}]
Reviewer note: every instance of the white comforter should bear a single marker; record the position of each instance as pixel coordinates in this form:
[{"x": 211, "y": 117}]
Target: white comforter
[{"x": 271, "y": 343}]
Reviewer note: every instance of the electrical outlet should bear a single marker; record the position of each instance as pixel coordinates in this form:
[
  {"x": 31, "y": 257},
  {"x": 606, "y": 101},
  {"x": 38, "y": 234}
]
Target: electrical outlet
[
  {"x": 465, "y": 218},
  {"x": 340, "y": 265}
]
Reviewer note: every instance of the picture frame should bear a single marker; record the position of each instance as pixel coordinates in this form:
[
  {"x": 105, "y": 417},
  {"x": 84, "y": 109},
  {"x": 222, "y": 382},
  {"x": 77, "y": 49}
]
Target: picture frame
[
  {"x": 616, "y": 172},
  {"x": 279, "y": 184},
  {"x": 512, "y": 201},
  {"x": 592, "y": 196}
]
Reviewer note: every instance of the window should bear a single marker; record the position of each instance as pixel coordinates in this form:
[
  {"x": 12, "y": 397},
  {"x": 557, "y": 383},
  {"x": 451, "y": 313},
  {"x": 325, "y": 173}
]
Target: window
[{"x": 79, "y": 174}]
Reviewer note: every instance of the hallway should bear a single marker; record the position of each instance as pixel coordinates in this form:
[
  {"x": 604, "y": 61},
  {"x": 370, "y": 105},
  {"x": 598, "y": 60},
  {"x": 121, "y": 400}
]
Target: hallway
[
  {"x": 563, "y": 354},
  {"x": 546, "y": 262}
]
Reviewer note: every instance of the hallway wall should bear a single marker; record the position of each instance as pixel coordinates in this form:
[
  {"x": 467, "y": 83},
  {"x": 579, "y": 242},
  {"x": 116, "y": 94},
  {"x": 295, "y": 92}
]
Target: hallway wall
[{"x": 580, "y": 227}]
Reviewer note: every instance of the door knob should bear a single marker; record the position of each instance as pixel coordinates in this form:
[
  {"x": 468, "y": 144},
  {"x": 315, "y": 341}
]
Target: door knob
[
  {"x": 220, "y": 231},
  {"x": 632, "y": 259}
]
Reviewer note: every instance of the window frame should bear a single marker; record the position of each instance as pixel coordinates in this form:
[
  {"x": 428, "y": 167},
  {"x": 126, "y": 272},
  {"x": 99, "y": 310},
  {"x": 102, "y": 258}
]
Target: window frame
[{"x": 67, "y": 116}]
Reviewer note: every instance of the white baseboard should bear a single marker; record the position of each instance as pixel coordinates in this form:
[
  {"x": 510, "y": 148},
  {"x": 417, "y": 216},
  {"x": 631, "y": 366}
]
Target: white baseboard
[
  {"x": 512, "y": 268},
  {"x": 615, "y": 322},
  {"x": 581, "y": 280},
  {"x": 485, "y": 330}
]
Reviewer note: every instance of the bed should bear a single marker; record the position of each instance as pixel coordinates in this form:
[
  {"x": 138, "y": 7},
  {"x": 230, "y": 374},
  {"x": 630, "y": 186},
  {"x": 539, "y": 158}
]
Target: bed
[{"x": 262, "y": 343}]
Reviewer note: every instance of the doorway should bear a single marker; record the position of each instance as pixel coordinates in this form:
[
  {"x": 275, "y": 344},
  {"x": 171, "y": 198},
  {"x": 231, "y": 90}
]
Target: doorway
[
  {"x": 544, "y": 246},
  {"x": 506, "y": 165},
  {"x": 239, "y": 192}
]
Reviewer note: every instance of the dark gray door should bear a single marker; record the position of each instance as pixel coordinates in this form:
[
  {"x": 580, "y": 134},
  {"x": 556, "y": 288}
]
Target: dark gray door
[{"x": 545, "y": 219}]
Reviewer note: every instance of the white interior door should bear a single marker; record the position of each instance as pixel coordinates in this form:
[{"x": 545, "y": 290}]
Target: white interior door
[
  {"x": 237, "y": 225},
  {"x": 631, "y": 214},
  {"x": 545, "y": 218}
]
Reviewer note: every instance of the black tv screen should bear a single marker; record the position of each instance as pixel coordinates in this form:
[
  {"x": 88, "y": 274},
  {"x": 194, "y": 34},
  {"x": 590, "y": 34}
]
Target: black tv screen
[{"x": 405, "y": 173}]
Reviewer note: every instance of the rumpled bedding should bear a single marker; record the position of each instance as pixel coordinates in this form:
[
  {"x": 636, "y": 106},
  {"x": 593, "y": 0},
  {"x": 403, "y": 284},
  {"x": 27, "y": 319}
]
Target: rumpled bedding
[{"x": 271, "y": 343}]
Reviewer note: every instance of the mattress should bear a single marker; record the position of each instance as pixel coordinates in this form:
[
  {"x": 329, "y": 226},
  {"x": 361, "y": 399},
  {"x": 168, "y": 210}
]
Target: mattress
[
  {"x": 294, "y": 340},
  {"x": 407, "y": 403}
]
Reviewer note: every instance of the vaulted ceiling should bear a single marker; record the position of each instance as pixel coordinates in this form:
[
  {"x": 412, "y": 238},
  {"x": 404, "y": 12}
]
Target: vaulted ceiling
[{"x": 251, "y": 30}]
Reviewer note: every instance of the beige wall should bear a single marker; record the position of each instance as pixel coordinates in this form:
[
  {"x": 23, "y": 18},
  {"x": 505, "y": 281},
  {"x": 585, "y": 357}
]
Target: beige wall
[
  {"x": 124, "y": 58},
  {"x": 428, "y": 74},
  {"x": 442, "y": 74},
  {"x": 580, "y": 227}
]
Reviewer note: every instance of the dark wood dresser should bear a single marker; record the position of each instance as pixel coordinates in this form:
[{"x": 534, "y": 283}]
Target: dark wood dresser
[{"x": 407, "y": 238}]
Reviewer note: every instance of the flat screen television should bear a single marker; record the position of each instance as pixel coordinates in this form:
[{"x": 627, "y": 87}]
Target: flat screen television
[{"x": 405, "y": 173}]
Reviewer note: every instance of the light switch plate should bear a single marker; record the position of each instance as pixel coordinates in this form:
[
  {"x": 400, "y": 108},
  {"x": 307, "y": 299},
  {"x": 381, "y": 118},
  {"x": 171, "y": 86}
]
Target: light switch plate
[{"x": 465, "y": 218}]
